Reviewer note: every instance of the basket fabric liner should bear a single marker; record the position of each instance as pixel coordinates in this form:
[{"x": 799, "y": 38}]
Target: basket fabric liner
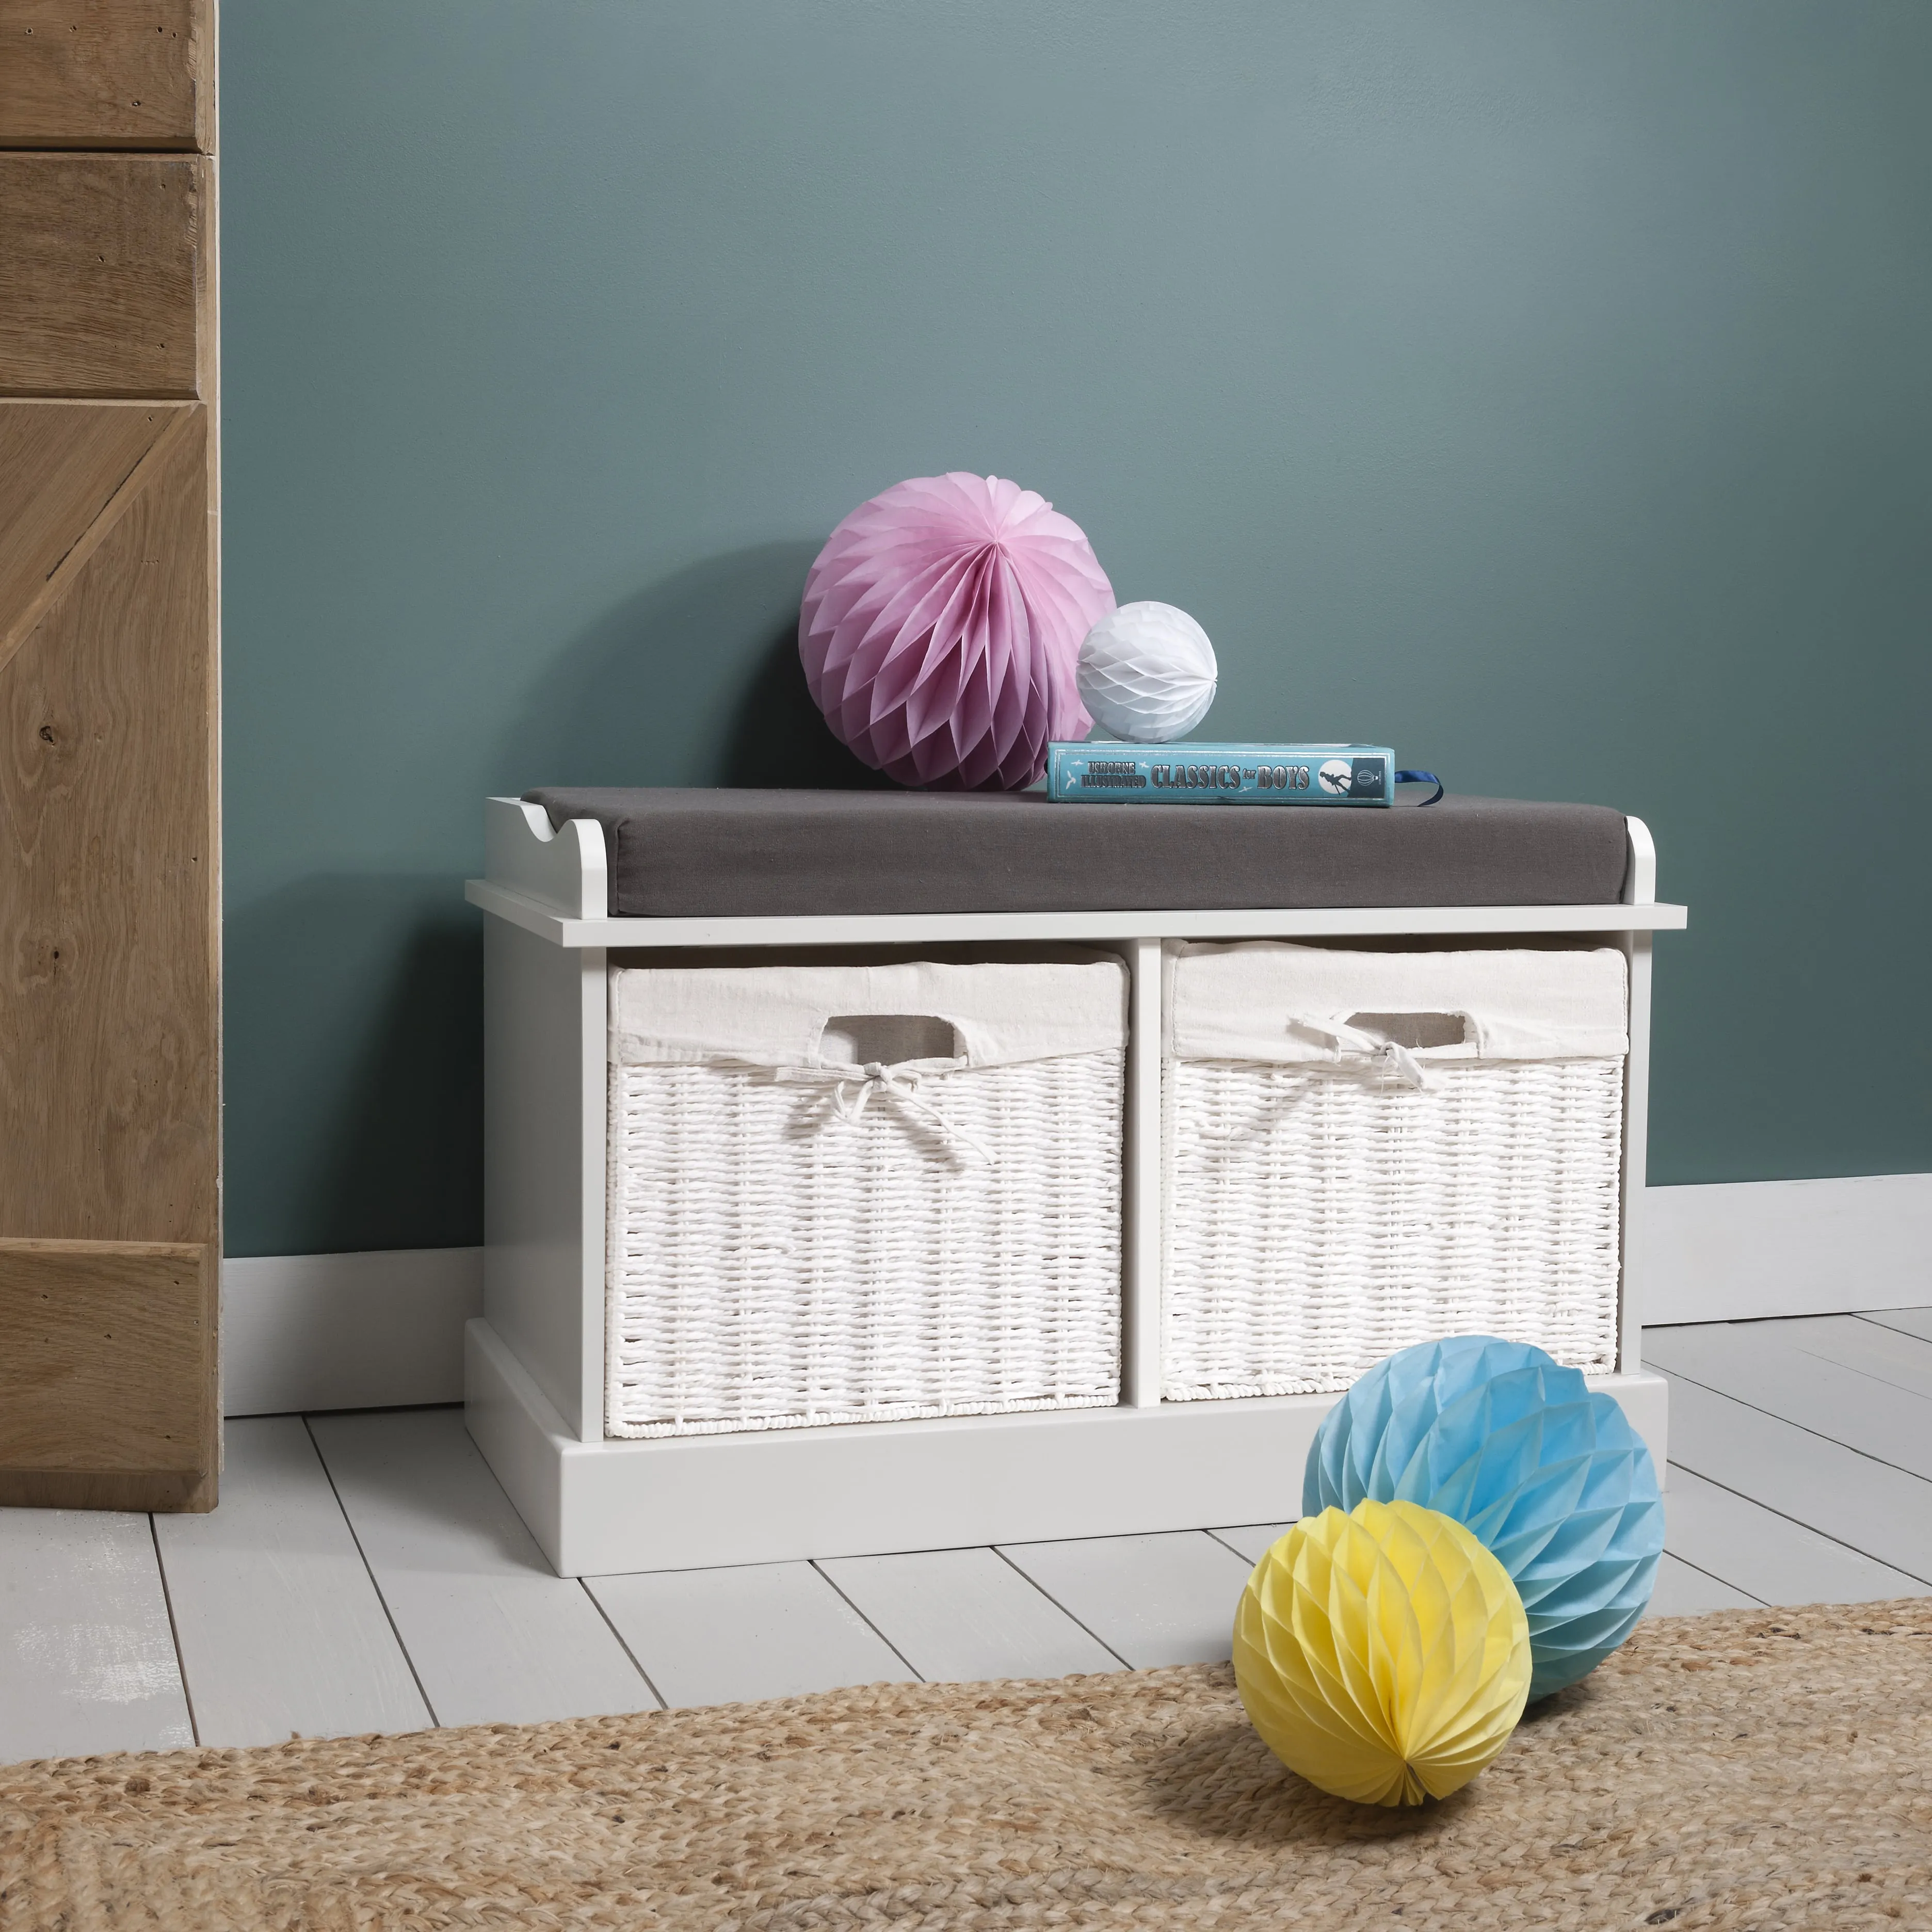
[
  {"x": 776, "y": 1015},
  {"x": 1279, "y": 1003}
]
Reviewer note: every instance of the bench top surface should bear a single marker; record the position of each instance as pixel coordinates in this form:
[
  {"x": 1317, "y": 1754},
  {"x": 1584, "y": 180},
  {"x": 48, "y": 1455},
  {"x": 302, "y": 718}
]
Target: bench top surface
[{"x": 688, "y": 854}]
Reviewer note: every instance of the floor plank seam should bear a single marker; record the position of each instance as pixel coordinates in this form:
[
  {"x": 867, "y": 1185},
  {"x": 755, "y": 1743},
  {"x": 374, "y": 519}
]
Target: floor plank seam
[
  {"x": 375, "y": 1581},
  {"x": 1877, "y": 1318},
  {"x": 637, "y": 1662},
  {"x": 1837, "y": 1441},
  {"x": 1813, "y": 1354},
  {"x": 1034, "y": 1583},
  {"x": 1812, "y": 1343},
  {"x": 1797, "y": 1522},
  {"x": 1812, "y": 1350},
  {"x": 1678, "y": 1555},
  {"x": 917, "y": 1678},
  {"x": 1223, "y": 1541},
  {"x": 174, "y": 1630}
]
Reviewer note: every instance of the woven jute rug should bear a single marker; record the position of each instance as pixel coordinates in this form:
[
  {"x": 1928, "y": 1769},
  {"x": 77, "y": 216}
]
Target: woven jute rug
[{"x": 1767, "y": 1768}]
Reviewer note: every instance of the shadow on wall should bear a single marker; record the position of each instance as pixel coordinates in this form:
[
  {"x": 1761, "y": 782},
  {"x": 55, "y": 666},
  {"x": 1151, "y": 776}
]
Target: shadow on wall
[
  {"x": 695, "y": 681},
  {"x": 354, "y": 1006}
]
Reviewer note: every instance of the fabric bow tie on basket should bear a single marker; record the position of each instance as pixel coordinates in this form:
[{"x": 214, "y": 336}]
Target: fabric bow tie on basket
[
  {"x": 853, "y": 1086},
  {"x": 1388, "y": 1059}
]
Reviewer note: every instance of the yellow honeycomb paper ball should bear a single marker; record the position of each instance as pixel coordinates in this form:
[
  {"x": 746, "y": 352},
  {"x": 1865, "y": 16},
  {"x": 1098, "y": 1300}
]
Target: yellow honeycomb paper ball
[{"x": 1382, "y": 1653}]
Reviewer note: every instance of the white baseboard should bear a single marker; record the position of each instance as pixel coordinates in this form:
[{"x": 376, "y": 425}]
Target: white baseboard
[
  {"x": 1742, "y": 1250},
  {"x": 380, "y": 1330},
  {"x": 385, "y": 1330}
]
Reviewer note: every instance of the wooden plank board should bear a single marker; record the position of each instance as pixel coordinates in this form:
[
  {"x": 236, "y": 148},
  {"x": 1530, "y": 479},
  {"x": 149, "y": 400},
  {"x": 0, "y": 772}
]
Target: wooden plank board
[
  {"x": 105, "y": 73},
  {"x": 1251, "y": 1541},
  {"x": 1683, "y": 1591},
  {"x": 1768, "y": 1556},
  {"x": 87, "y": 1663},
  {"x": 109, "y": 1117},
  {"x": 1750, "y": 1364},
  {"x": 735, "y": 1636},
  {"x": 960, "y": 1616},
  {"x": 495, "y": 1635},
  {"x": 1917, "y": 1321},
  {"x": 107, "y": 1380},
  {"x": 1168, "y": 1598},
  {"x": 1871, "y": 1506},
  {"x": 101, "y": 269},
  {"x": 281, "y": 1631},
  {"x": 1886, "y": 1354}
]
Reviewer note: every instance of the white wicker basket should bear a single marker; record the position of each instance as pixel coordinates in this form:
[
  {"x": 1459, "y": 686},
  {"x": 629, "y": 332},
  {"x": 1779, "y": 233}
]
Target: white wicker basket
[
  {"x": 859, "y": 1194},
  {"x": 1366, "y": 1150}
]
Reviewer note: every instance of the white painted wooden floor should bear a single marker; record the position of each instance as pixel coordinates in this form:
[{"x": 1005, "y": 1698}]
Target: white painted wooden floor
[{"x": 365, "y": 1573}]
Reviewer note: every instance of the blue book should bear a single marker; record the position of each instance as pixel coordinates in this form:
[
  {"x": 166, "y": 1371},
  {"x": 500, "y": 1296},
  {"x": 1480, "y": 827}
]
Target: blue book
[{"x": 1192, "y": 774}]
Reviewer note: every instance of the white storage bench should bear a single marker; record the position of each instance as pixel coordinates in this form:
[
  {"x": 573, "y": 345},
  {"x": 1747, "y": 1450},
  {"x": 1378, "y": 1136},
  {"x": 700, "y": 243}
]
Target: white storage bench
[{"x": 754, "y": 1290}]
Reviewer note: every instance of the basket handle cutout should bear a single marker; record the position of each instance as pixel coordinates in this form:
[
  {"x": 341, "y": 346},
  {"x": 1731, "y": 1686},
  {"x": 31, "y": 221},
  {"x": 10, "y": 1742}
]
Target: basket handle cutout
[
  {"x": 887, "y": 1039},
  {"x": 863, "y": 1055},
  {"x": 1414, "y": 1030}
]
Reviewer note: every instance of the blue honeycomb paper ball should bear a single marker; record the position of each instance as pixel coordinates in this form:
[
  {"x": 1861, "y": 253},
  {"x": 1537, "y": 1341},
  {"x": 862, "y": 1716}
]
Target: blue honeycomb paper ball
[{"x": 1548, "y": 1474}]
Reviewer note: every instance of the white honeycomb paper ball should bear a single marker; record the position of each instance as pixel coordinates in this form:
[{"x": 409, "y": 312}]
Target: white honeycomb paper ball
[{"x": 1148, "y": 673}]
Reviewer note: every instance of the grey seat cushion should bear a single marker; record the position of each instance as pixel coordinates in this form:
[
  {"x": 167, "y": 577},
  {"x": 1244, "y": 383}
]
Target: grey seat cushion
[{"x": 694, "y": 854}]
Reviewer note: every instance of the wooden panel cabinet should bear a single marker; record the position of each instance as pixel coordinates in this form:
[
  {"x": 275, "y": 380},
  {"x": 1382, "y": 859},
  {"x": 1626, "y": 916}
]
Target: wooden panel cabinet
[{"x": 110, "y": 1204}]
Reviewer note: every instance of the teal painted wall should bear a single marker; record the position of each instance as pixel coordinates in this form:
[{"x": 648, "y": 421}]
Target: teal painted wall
[{"x": 1544, "y": 389}]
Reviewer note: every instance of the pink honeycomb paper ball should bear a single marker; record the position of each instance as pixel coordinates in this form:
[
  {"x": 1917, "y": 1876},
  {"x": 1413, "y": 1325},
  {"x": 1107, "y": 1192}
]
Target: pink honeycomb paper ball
[{"x": 941, "y": 627}]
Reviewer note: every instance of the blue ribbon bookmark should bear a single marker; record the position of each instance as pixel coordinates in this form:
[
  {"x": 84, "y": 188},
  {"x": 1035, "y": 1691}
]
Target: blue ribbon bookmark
[{"x": 1421, "y": 778}]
